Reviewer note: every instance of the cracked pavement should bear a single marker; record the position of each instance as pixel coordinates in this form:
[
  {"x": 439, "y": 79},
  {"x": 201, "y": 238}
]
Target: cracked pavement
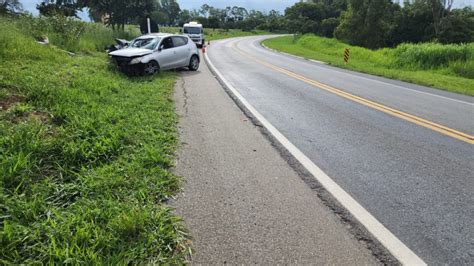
[{"x": 241, "y": 200}]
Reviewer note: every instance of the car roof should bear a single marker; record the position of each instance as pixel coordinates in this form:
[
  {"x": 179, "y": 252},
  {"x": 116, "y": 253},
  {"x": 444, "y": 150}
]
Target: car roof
[{"x": 162, "y": 35}]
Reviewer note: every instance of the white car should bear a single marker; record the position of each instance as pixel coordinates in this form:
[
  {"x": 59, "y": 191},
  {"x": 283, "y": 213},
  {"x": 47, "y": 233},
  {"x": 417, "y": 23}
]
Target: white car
[{"x": 151, "y": 53}]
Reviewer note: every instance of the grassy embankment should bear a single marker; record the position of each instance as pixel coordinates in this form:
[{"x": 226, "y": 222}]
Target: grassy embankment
[
  {"x": 85, "y": 153},
  {"x": 446, "y": 67}
]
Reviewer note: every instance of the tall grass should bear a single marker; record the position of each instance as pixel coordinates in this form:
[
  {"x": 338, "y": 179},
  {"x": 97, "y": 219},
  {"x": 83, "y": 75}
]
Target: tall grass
[
  {"x": 72, "y": 34},
  {"x": 432, "y": 55},
  {"x": 85, "y": 157},
  {"x": 448, "y": 67}
]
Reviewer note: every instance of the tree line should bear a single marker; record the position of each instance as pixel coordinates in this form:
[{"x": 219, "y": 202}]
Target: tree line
[
  {"x": 368, "y": 23},
  {"x": 117, "y": 13},
  {"x": 384, "y": 23}
]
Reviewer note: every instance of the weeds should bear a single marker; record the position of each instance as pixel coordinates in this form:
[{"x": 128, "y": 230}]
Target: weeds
[
  {"x": 432, "y": 55},
  {"x": 71, "y": 34},
  {"x": 85, "y": 154}
]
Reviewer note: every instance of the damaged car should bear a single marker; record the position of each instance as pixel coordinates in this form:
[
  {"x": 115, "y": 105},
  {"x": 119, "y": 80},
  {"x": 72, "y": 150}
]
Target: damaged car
[{"x": 151, "y": 53}]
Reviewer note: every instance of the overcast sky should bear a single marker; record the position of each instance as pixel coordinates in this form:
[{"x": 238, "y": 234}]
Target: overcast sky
[{"x": 263, "y": 5}]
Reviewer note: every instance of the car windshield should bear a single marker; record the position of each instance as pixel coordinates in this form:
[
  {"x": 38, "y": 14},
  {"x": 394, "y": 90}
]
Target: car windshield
[
  {"x": 192, "y": 30},
  {"x": 145, "y": 43}
]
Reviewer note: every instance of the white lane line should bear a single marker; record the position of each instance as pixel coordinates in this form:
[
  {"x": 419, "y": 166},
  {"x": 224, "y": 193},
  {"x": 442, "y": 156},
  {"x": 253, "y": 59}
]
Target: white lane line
[
  {"x": 290, "y": 56},
  {"x": 396, "y": 247}
]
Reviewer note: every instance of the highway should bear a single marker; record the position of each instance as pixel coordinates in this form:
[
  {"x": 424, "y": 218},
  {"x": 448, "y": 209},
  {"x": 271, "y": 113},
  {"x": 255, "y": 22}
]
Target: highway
[{"x": 404, "y": 152}]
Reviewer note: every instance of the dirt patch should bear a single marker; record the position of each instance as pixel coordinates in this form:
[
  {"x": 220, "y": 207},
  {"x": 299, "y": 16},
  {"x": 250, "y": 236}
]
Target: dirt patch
[
  {"x": 7, "y": 102},
  {"x": 40, "y": 116},
  {"x": 37, "y": 116}
]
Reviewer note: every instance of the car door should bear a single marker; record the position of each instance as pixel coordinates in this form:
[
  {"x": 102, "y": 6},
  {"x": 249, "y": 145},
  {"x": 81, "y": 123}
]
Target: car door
[
  {"x": 167, "y": 54},
  {"x": 182, "y": 50}
]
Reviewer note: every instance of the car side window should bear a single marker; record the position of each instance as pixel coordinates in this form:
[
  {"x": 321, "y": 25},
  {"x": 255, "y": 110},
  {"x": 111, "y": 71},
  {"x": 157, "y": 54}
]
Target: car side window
[
  {"x": 178, "y": 41},
  {"x": 167, "y": 43}
]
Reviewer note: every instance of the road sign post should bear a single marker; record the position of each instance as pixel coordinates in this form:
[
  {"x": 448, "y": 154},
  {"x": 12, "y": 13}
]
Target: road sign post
[
  {"x": 148, "y": 23},
  {"x": 346, "y": 56}
]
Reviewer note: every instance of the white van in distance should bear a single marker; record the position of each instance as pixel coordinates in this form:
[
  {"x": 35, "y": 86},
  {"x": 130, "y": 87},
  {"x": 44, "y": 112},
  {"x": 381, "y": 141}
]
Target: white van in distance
[{"x": 195, "y": 31}]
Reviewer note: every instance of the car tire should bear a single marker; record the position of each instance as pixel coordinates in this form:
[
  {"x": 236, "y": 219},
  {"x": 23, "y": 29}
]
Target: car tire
[
  {"x": 193, "y": 63},
  {"x": 151, "y": 68}
]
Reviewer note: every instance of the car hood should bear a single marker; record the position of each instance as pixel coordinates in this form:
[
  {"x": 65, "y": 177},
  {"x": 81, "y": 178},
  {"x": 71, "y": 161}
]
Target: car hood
[{"x": 131, "y": 52}]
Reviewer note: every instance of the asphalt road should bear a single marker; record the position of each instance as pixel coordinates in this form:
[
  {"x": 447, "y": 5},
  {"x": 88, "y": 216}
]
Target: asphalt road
[{"x": 418, "y": 182}]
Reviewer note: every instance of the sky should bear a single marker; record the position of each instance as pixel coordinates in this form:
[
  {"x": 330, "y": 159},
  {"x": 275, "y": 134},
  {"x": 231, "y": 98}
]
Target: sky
[{"x": 262, "y": 5}]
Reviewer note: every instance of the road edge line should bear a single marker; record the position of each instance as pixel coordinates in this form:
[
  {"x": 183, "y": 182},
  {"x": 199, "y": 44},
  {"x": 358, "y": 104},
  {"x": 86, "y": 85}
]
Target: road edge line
[
  {"x": 348, "y": 70},
  {"x": 397, "y": 248}
]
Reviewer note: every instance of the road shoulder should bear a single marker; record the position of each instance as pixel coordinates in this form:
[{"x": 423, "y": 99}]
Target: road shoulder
[{"x": 241, "y": 200}]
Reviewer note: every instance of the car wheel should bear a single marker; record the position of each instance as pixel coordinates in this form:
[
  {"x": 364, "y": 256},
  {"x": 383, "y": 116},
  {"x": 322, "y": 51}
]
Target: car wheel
[
  {"x": 194, "y": 63},
  {"x": 151, "y": 68}
]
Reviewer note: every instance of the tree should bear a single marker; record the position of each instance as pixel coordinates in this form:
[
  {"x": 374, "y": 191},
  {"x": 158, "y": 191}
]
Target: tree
[
  {"x": 205, "y": 10},
  {"x": 213, "y": 22},
  {"x": 328, "y": 26},
  {"x": 10, "y": 6},
  {"x": 413, "y": 13},
  {"x": 172, "y": 10},
  {"x": 440, "y": 9},
  {"x": 120, "y": 12},
  {"x": 458, "y": 27},
  {"x": 184, "y": 17},
  {"x": 274, "y": 21},
  {"x": 304, "y": 17},
  {"x": 254, "y": 19},
  {"x": 67, "y": 8},
  {"x": 366, "y": 23}
]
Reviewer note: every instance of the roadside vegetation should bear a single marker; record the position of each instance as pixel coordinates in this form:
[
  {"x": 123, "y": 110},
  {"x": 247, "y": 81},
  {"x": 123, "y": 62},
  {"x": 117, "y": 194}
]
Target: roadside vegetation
[
  {"x": 447, "y": 67},
  {"x": 85, "y": 152},
  {"x": 218, "y": 34}
]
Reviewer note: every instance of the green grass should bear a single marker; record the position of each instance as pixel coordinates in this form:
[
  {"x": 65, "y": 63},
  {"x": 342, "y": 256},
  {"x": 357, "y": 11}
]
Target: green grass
[
  {"x": 85, "y": 156},
  {"x": 446, "y": 67},
  {"x": 71, "y": 34},
  {"x": 218, "y": 34}
]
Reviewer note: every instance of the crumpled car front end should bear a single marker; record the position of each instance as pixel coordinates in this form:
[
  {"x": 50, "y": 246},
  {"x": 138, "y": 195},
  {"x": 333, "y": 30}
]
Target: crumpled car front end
[{"x": 129, "y": 60}]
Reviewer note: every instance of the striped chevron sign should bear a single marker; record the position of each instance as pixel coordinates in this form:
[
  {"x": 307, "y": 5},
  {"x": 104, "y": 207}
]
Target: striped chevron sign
[{"x": 346, "y": 56}]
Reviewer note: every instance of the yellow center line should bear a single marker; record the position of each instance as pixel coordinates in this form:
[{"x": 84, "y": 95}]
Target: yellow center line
[{"x": 377, "y": 106}]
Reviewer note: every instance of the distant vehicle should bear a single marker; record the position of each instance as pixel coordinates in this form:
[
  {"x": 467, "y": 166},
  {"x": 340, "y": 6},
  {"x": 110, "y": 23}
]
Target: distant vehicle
[
  {"x": 195, "y": 31},
  {"x": 151, "y": 53}
]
